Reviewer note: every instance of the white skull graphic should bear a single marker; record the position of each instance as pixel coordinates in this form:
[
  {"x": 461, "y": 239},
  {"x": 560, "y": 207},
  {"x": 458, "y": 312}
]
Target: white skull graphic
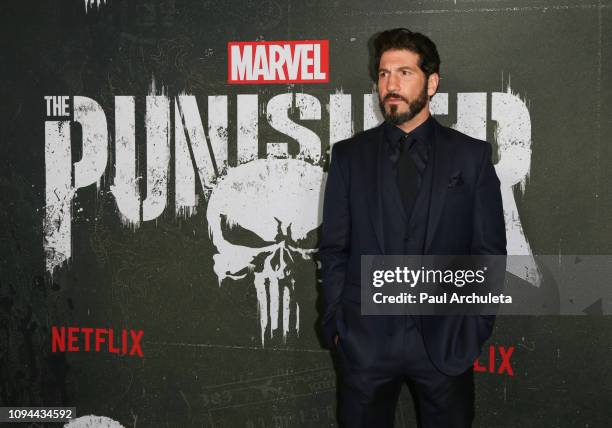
[{"x": 262, "y": 215}]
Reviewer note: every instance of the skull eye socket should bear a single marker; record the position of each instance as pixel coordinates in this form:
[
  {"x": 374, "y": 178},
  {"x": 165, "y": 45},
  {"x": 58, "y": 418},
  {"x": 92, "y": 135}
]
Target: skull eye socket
[
  {"x": 238, "y": 235},
  {"x": 311, "y": 240}
]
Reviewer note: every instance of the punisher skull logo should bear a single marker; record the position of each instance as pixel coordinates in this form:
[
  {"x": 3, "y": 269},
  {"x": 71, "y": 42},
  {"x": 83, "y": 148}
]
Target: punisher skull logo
[{"x": 263, "y": 218}]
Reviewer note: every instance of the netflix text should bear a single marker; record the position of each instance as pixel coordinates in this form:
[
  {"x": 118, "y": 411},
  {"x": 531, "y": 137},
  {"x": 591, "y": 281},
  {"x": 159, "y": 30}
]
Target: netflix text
[{"x": 90, "y": 339}]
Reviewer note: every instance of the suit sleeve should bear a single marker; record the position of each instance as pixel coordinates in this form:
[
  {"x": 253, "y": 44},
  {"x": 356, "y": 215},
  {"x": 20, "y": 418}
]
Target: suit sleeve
[
  {"x": 489, "y": 233},
  {"x": 334, "y": 247},
  {"x": 489, "y": 229}
]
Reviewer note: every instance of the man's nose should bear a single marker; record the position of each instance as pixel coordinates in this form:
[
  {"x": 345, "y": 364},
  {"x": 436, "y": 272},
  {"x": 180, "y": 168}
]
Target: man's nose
[{"x": 392, "y": 83}]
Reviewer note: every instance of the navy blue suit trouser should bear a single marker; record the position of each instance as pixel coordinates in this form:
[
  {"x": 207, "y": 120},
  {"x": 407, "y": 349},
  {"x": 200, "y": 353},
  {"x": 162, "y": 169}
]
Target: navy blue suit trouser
[{"x": 368, "y": 397}]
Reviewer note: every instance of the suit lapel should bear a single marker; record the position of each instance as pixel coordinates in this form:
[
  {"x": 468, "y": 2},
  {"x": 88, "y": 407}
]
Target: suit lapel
[
  {"x": 372, "y": 160},
  {"x": 373, "y": 156},
  {"x": 443, "y": 156}
]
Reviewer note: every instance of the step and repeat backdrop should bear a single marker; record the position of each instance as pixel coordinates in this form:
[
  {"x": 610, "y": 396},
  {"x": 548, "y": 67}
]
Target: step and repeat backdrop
[{"x": 162, "y": 169}]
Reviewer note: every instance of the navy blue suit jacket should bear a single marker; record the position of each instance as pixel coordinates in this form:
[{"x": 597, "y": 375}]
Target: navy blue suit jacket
[{"x": 463, "y": 219}]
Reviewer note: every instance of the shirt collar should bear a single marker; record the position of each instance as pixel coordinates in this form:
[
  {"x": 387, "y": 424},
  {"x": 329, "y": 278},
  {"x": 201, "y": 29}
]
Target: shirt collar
[{"x": 423, "y": 132}]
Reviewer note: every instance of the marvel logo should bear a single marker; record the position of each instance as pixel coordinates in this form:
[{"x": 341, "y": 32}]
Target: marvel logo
[{"x": 303, "y": 61}]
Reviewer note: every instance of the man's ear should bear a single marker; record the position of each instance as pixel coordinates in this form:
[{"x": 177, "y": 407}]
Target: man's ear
[{"x": 432, "y": 84}]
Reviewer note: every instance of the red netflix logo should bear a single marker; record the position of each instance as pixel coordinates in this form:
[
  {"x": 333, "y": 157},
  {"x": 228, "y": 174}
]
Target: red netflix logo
[
  {"x": 75, "y": 339},
  {"x": 303, "y": 61},
  {"x": 505, "y": 365}
]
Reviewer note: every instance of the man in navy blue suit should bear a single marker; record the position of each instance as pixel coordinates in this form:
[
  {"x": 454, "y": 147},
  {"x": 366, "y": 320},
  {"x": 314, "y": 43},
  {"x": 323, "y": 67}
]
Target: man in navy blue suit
[{"x": 408, "y": 186}]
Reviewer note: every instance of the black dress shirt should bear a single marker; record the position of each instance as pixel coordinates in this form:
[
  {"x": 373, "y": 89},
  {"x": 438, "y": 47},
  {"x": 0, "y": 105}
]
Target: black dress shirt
[{"x": 409, "y": 153}]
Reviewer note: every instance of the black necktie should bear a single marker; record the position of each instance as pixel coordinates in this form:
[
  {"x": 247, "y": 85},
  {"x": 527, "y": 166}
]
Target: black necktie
[{"x": 410, "y": 167}]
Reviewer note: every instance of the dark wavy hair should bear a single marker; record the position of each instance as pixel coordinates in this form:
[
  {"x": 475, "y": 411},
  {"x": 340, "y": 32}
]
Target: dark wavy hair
[{"x": 403, "y": 38}]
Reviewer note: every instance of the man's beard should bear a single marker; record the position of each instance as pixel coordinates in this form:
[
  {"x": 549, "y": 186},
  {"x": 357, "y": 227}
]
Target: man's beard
[{"x": 414, "y": 107}]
